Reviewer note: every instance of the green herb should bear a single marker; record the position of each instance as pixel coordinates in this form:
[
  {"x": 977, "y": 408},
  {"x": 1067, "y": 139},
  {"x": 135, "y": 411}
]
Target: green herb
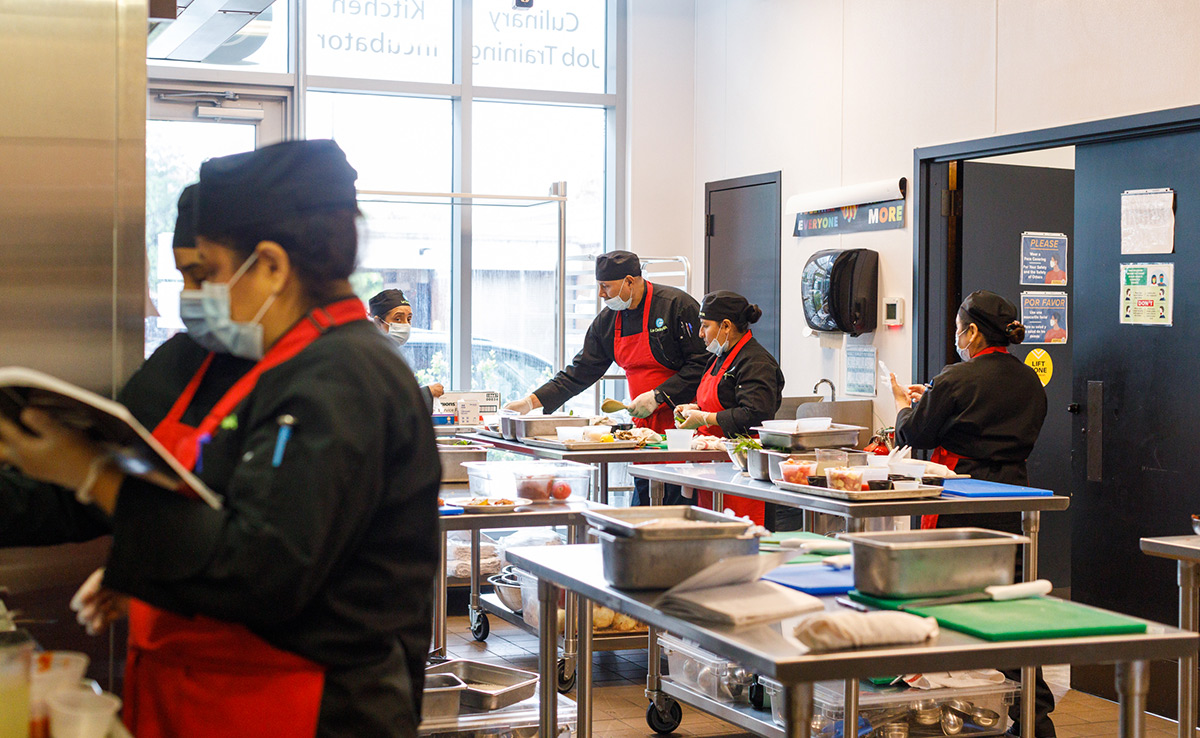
[{"x": 743, "y": 444}]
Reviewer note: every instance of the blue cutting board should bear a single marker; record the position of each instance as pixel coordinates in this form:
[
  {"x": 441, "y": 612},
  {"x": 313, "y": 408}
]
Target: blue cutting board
[
  {"x": 813, "y": 579},
  {"x": 450, "y": 510},
  {"x": 981, "y": 488}
]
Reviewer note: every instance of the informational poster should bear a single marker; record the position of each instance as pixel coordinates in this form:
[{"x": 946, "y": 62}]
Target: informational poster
[
  {"x": 860, "y": 370},
  {"x": 1043, "y": 258},
  {"x": 1147, "y": 293},
  {"x": 1039, "y": 360},
  {"x": 1044, "y": 315},
  {"x": 876, "y": 216},
  {"x": 1148, "y": 221}
]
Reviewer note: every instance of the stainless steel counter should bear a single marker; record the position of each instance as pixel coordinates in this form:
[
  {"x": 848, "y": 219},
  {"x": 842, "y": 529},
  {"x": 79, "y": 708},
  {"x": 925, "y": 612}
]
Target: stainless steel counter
[
  {"x": 1185, "y": 550},
  {"x": 764, "y": 650}
]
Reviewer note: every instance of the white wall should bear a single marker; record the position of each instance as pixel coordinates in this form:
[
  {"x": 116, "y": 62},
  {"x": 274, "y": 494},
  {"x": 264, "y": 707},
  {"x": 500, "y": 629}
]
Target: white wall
[{"x": 839, "y": 92}]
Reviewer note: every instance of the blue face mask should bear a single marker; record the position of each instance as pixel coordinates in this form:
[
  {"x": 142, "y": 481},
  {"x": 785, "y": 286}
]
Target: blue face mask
[{"x": 206, "y": 313}]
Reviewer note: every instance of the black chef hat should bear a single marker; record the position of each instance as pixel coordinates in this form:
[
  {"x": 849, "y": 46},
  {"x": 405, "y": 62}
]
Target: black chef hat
[
  {"x": 273, "y": 184},
  {"x": 387, "y": 301},
  {"x": 617, "y": 265},
  {"x": 185, "y": 222},
  {"x": 726, "y": 305},
  {"x": 996, "y": 317}
]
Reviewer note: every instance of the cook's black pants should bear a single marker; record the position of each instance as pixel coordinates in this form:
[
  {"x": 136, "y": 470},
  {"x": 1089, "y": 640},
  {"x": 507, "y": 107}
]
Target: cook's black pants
[{"x": 672, "y": 493}]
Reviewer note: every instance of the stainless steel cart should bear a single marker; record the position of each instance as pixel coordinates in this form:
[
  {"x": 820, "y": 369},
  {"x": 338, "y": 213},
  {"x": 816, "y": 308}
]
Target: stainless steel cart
[{"x": 1185, "y": 550}]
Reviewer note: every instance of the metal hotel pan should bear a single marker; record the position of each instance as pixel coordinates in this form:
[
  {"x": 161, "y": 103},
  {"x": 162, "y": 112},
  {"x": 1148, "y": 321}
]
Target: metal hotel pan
[
  {"x": 441, "y": 696},
  {"x": 489, "y": 686},
  {"x": 629, "y": 522},
  {"x": 931, "y": 563},
  {"x": 516, "y": 427},
  {"x": 631, "y": 563},
  {"x": 835, "y": 436}
]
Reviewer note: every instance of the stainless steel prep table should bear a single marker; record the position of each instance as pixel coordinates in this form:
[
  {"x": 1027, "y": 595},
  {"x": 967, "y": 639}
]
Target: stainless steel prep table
[
  {"x": 764, "y": 650},
  {"x": 600, "y": 458},
  {"x": 727, "y": 479},
  {"x": 569, "y": 514},
  {"x": 1185, "y": 550}
]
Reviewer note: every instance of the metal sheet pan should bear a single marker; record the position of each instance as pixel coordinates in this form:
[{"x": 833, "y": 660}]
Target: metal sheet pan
[
  {"x": 489, "y": 686},
  {"x": 554, "y": 442},
  {"x": 628, "y": 522}
]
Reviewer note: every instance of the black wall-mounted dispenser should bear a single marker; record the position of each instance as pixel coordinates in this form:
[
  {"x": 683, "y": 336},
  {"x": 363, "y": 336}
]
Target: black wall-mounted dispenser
[{"x": 840, "y": 290}]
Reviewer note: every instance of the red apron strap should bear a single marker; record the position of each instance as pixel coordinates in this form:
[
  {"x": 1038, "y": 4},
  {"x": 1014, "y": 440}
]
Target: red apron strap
[
  {"x": 643, "y": 372},
  {"x": 948, "y": 459}
]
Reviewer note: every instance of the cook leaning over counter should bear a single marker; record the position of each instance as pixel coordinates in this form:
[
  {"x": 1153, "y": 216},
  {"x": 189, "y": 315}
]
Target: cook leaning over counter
[
  {"x": 741, "y": 387},
  {"x": 981, "y": 417},
  {"x": 650, "y": 331},
  {"x": 303, "y": 606}
]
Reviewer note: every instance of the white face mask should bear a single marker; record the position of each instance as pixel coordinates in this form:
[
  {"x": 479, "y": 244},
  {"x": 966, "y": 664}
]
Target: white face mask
[
  {"x": 616, "y": 303},
  {"x": 964, "y": 352},
  {"x": 717, "y": 348},
  {"x": 400, "y": 332},
  {"x": 220, "y": 332}
]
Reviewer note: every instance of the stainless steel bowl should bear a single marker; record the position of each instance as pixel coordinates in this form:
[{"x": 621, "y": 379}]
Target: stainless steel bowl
[
  {"x": 926, "y": 712},
  {"x": 508, "y": 590},
  {"x": 1196, "y": 524},
  {"x": 737, "y": 457},
  {"x": 984, "y": 717}
]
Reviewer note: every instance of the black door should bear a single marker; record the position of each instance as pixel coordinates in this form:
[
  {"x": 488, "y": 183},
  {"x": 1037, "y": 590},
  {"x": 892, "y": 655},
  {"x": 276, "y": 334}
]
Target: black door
[
  {"x": 1138, "y": 388},
  {"x": 999, "y": 203},
  {"x": 741, "y": 250}
]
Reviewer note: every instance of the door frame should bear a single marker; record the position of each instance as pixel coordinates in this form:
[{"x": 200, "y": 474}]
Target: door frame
[
  {"x": 933, "y": 260},
  {"x": 753, "y": 180}
]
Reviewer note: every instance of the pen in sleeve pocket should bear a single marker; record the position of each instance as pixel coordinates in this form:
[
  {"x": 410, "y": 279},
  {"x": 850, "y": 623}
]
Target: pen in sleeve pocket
[{"x": 286, "y": 422}]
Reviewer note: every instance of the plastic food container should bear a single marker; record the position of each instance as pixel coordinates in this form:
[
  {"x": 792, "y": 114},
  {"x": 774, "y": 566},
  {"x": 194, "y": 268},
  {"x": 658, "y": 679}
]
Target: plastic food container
[
  {"x": 537, "y": 481},
  {"x": 845, "y": 478},
  {"x": 704, "y": 672},
  {"x": 569, "y": 432},
  {"x": 81, "y": 713},
  {"x": 529, "y": 600},
  {"x": 808, "y": 425},
  {"x": 52, "y": 671},
  {"x": 795, "y": 471}
]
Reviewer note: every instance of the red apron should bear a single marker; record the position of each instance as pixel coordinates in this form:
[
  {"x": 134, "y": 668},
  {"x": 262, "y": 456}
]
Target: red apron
[
  {"x": 949, "y": 459},
  {"x": 200, "y": 677},
  {"x": 706, "y": 398},
  {"x": 642, "y": 371}
]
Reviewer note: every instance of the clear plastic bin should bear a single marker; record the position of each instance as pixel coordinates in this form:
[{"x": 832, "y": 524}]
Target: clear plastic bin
[
  {"x": 982, "y": 710},
  {"x": 529, "y": 601},
  {"x": 706, "y": 673},
  {"x": 538, "y": 481}
]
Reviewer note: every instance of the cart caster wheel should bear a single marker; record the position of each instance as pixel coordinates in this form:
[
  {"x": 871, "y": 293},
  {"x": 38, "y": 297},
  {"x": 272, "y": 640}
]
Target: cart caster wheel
[
  {"x": 481, "y": 628},
  {"x": 664, "y": 725},
  {"x": 565, "y": 683}
]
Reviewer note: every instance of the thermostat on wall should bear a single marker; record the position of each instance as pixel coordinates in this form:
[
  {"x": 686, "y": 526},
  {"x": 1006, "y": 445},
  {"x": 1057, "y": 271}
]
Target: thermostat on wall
[{"x": 893, "y": 311}]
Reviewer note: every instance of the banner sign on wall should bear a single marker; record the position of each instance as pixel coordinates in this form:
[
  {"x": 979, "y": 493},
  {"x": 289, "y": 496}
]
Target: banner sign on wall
[
  {"x": 1043, "y": 258},
  {"x": 1148, "y": 221},
  {"x": 1044, "y": 315},
  {"x": 1147, "y": 294},
  {"x": 876, "y": 216}
]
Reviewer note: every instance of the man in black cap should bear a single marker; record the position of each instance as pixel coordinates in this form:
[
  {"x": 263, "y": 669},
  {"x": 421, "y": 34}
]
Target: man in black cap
[
  {"x": 650, "y": 331},
  {"x": 393, "y": 314}
]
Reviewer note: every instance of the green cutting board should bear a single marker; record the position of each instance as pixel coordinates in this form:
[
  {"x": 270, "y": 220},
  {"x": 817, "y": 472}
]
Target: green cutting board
[
  {"x": 776, "y": 538},
  {"x": 1036, "y": 617}
]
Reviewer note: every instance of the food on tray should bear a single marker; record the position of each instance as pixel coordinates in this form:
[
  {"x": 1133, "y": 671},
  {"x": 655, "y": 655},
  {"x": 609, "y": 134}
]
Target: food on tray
[
  {"x": 441, "y": 502},
  {"x": 602, "y": 617},
  {"x": 624, "y": 622},
  {"x": 707, "y": 443},
  {"x": 843, "y": 478},
  {"x": 597, "y": 433},
  {"x": 560, "y": 490},
  {"x": 797, "y": 471},
  {"x": 641, "y": 435},
  {"x": 486, "y": 502}
]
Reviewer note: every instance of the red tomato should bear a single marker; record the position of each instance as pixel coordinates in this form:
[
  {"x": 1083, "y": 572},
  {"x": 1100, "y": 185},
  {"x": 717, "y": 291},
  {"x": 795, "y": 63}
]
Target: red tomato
[{"x": 561, "y": 490}]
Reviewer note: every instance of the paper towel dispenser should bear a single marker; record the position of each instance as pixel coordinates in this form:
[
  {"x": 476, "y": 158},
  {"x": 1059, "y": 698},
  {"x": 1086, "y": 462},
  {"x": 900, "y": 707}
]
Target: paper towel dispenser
[{"x": 840, "y": 290}]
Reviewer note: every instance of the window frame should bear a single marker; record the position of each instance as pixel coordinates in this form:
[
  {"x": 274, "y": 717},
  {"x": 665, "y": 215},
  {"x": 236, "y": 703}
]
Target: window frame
[{"x": 293, "y": 86}]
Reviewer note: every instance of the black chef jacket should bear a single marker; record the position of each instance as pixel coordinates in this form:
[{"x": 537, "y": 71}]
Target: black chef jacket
[
  {"x": 36, "y": 513},
  {"x": 331, "y": 554},
  {"x": 750, "y": 390},
  {"x": 989, "y": 410},
  {"x": 674, "y": 342}
]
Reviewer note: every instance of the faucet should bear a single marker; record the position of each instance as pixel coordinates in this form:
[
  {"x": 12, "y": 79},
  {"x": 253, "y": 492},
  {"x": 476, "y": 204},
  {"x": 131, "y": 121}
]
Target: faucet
[{"x": 832, "y": 389}]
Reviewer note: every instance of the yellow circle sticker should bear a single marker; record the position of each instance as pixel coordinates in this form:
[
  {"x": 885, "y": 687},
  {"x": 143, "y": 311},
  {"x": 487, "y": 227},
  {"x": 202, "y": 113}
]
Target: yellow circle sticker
[{"x": 1041, "y": 363}]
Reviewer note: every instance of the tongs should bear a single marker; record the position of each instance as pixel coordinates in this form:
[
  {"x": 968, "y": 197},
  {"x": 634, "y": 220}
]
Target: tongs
[{"x": 995, "y": 593}]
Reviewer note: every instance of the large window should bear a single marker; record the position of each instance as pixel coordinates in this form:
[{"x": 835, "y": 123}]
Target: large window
[{"x": 424, "y": 102}]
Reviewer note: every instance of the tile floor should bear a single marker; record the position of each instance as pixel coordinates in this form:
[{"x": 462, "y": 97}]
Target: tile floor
[{"x": 620, "y": 677}]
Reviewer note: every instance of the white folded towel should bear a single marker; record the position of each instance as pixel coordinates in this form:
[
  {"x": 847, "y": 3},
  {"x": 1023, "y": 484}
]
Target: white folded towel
[
  {"x": 836, "y": 631},
  {"x": 955, "y": 679}
]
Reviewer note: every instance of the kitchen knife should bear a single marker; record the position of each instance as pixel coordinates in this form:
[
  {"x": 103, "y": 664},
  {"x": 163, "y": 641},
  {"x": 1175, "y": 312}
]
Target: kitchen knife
[{"x": 995, "y": 593}]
